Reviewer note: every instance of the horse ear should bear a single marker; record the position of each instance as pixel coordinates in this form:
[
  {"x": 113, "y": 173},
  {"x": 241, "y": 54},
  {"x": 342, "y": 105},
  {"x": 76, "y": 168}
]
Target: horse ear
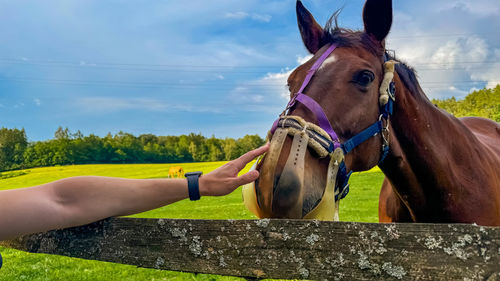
[
  {"x": 311, "y": 32},
  {"x": 377, "y": 18}
]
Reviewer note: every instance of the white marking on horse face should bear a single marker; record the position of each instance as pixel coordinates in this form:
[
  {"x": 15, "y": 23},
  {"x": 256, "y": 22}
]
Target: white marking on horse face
[{"x": 330, "y": 59}]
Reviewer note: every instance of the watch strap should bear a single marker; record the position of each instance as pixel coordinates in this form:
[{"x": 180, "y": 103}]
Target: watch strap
[{"x": 193, "y": 185}]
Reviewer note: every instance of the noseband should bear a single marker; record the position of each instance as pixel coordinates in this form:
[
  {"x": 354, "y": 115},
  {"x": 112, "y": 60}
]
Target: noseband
[{"x": 323, "y": 139}]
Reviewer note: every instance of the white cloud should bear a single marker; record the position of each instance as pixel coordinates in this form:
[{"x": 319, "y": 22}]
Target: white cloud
[
  {"x": 454, "y": 58},
  {"x": 262, "y": 18},
  {"x": 491, "y": 73},
  {"x": 245, "y": 95},
  {"x": 497, "y": 54},
  {"x": 303, "y": 59},
  {"x": 84, "y": 63},
  {"x": 244, "y": 15},
  {"x": 478, "y": 7},
  {"x": 450, "y": 68},
  {"x": 471, "y": 49},
  {"x": 280, "y": 81},
  {"x": 196, "y": 109},
  {"x": 113, "y": 104},
  {"x": 268, "y": 93},
  {"x": 37, "y": 101},
  {"x": 237, "y": 15}
]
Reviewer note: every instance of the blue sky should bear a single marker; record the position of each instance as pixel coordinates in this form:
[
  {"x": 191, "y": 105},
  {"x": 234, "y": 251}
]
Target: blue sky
[{"x": 212, "y": 67}]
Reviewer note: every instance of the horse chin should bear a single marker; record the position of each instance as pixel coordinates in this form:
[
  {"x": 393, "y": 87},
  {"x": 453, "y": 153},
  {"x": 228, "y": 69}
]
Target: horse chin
[
  {"x": 310, "y": 203},
  {"x": 287, "y": 201},
  {"x": 285, "y": 195},
  {"x": 288, "y": 196}
]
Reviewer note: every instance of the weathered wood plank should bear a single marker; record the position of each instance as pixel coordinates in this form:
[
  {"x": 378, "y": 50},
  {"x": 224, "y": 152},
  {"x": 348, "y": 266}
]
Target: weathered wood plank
[{"x": 283, "y": 248}]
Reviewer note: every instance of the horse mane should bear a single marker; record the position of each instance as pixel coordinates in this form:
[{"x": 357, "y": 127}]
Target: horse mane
[
  {"x": 409, "y": 78},
  {"x": 345, "y": 37}
]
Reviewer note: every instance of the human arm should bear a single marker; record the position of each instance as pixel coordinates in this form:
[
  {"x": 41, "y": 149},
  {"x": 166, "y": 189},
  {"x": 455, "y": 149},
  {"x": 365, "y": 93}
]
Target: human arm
[{"x": 81, "y": 200}]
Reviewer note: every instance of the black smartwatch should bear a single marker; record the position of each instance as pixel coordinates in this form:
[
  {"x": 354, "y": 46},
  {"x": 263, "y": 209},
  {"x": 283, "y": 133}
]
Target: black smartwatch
[{"x": 193, "y": 185}]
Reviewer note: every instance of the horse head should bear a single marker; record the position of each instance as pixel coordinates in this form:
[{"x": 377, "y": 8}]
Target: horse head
[{"x": 336, "y": 121}]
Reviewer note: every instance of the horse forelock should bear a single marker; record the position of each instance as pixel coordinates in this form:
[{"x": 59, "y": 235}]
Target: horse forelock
[{"x": 345, "y": 37}]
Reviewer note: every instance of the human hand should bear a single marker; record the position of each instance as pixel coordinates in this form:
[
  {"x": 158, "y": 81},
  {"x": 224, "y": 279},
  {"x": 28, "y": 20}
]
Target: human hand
[{"x": 225, "y": 180}]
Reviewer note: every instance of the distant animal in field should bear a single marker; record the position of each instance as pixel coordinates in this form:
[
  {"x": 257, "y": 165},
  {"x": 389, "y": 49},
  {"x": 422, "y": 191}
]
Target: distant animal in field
[{"x": 175, "y": 172}]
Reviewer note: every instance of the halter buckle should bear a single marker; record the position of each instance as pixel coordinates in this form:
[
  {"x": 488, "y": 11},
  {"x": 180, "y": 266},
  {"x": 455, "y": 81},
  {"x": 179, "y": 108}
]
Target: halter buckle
[{"x": 385, "y": 130}]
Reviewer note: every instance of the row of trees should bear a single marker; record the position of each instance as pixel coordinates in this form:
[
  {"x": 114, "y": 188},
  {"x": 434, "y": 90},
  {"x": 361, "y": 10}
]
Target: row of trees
[
  {"x": 74, "y": 148},
  {"x": 482, "y": 103}
]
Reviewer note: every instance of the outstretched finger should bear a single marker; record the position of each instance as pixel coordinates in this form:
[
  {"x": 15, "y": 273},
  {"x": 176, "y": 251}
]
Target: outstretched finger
[
  {"x": 244, "y": 159},
  {"x": 247, "y": 178}
]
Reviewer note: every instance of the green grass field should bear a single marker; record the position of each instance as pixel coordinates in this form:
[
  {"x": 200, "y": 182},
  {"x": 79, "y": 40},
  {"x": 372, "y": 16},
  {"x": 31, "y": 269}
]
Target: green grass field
[{"x": 360, "y": 205}]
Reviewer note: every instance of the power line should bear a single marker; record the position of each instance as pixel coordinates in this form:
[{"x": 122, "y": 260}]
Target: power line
[
  {"x": 97, "y": 67},
  {"x": 176, "y": 67},
  {"x": 457, "y": 68},
  {"x": 214, "y": 86},
  {"x": 442, "y": 35},
  {"x": 461, "y": 62},
  {"x": 216, "y": 83},
  {"x": 95, "y": 64},
  {"x": 239, "y": 72}
]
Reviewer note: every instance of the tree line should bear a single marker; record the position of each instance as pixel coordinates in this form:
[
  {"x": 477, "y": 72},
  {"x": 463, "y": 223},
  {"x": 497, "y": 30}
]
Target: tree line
[
  {"x": 481, "y": 103},
  {"x": 74, "y": 148},
  {"x": 68, "y": 148}
]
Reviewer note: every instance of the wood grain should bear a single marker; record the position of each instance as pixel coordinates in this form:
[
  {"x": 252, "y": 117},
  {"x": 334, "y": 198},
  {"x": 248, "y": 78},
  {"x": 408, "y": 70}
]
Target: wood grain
[{"x": 289, "y": 249}]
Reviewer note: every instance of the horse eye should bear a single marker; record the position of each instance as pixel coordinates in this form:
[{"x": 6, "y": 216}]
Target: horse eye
[{"x": 364, "y": 78}]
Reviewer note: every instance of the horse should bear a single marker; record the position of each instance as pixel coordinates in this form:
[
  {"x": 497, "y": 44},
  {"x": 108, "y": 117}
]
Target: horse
[
  {"x": 175, "y": 172},
  {"x": 357, "y": 100}
]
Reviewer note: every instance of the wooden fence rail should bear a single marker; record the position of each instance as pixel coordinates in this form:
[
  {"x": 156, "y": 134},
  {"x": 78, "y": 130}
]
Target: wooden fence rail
[{"x": 283, "y": 248}]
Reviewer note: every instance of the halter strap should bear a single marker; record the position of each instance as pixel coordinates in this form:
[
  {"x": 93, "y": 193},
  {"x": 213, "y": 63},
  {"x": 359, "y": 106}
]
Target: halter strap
[
  {"x": 316, "y": 66},
  {"x": 364, "y": 135},
  {"x": 323, "y": 122},
  {"x": 310, "y": 103}
]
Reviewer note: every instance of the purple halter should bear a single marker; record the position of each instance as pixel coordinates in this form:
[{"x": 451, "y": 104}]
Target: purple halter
[
  {"x": 376, "y": 128},
  {"x": 310, "y": 103},
  {"x": 314, "y": 107}
]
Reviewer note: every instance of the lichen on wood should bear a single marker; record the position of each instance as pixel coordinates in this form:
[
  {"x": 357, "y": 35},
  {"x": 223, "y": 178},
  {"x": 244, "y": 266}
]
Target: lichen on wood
[{"x": 290, "y": 249}]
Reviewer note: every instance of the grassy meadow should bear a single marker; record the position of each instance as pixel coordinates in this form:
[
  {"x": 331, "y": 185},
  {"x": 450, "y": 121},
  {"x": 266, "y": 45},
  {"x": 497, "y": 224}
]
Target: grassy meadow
[{"x": 360, "y": 205}]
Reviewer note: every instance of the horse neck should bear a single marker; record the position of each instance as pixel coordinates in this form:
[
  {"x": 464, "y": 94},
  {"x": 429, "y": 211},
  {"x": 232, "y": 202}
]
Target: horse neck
[{"x": 431, "y": 157}]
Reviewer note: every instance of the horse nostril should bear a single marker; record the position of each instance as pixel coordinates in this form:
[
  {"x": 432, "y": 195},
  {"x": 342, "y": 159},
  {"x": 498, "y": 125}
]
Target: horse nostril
[
  {"x": 287, "y": 197},
  {"x": 275, "y": 184}
]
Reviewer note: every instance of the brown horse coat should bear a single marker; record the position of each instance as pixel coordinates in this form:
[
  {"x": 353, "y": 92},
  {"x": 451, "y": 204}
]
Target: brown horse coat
[
  {"x": 447, "y": 171},
  {"x": 439, "y": 168}
]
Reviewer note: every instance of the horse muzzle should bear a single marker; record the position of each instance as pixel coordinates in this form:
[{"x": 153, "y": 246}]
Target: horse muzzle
[{"x": 283, "y": 196}]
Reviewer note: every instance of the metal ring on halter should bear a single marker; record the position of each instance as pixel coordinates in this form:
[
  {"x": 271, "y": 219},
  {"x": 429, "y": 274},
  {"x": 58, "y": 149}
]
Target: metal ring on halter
[
  {"x": 385, "y": 129},
  {"x": 386, "y": 139}
]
